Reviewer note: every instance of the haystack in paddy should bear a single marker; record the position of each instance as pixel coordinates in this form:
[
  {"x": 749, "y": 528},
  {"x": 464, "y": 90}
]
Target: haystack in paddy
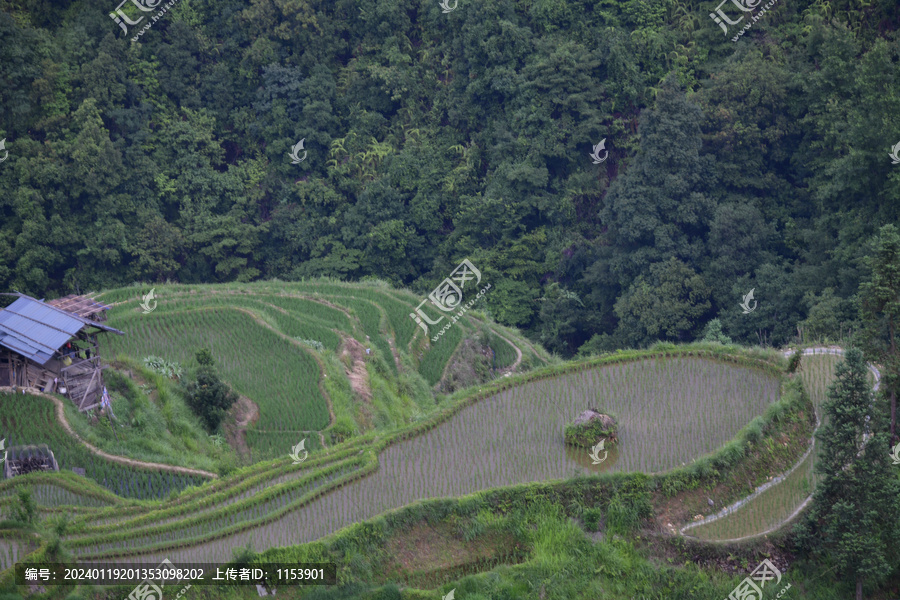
[{"x": 590, "y": 427}]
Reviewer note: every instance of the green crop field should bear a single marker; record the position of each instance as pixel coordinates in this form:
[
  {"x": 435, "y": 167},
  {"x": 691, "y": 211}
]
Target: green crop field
[
  {"x": 380, "y": 313},
  {"x": 432, "y": 364},
  {"x": 28, "y": 420},
  {"x": 671, "y": 411},
  {"x": 313, "y": 311},
  {"x": 254, "y": 332},
  {"x": 252, "y": 358},
  {"x": 53, "y": 496},
  {"x": 265, "y": 445},
  {"x": 504, "y": 354},
  {"x": 777, "y": 503}
]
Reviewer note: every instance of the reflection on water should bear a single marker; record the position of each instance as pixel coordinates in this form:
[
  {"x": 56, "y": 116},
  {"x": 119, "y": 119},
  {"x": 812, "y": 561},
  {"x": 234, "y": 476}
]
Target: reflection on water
[{"x": 582, "y": 458}]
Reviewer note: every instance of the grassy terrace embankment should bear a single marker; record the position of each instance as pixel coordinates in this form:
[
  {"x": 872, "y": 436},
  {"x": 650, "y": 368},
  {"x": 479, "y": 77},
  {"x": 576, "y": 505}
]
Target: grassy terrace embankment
[
  {"x": 256, "y": 333},
  {"x": 27, "y": 419},
  {"x": 308, "y": 518}
]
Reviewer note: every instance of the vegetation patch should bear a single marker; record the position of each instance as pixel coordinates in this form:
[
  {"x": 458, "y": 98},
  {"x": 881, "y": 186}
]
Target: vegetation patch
[
  {"x": 152, "y": 422},
  {"x": 427, "y": 555},
  {"x": 592, "y": 427},
  {"x": 28, "y": 420}
]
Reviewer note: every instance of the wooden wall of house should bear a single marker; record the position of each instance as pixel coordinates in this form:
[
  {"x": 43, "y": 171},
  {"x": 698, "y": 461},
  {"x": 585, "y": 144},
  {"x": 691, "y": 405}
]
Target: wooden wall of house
[
  {"x": 5, "y": 371},
  {"x": 83, "y": 377},
  {"x": 13, "y": 368},
  {"x": 34, "y": 374},
  {"x": 18, "y": 371}
]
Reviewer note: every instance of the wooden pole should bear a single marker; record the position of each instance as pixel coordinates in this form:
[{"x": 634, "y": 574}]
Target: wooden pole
[{"x": 87, "y": 389}]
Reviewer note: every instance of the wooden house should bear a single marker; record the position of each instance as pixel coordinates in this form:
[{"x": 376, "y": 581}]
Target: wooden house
[{"x": 54, "y": 349}]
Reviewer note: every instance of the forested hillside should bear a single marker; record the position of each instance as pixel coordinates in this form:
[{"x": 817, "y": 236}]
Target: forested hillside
[{"x": 434, "y": 136}]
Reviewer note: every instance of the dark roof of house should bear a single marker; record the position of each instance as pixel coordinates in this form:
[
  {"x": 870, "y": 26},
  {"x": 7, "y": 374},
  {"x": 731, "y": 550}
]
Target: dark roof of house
[
  {"x": 36, "y": 330},
  {"x": 82, "y": 306}
]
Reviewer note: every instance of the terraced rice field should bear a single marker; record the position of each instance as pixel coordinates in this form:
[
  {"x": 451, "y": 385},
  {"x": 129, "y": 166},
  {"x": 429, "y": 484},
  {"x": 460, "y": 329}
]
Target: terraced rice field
[
  {"x": 53, "y": 496},
  {"x": 204, "y": 524},
  {"x": 253, "y": 359},
  {"x": 253, "y": 330},
  {"x": 776, "y": 504},
  {"x": 13, "y": 549},
  {"x": 29, "y": 420},
  {"x": 671, "y": 411}
]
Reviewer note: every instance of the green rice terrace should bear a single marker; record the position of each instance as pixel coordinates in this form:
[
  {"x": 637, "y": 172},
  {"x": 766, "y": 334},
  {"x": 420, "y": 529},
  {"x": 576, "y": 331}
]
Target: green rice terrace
[
  {"x": 391, "y": 419},
  {"x": 279, "y": 344},
  {"x": 775, "y": 505}
]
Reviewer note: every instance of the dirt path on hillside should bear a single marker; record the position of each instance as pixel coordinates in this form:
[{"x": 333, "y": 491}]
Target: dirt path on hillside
[
  {"x": 515, "y": 365},
  {"x": 61, "y": 417},
  {"x": 245, "y": 413},
  {"x": 358, "y": 376}
]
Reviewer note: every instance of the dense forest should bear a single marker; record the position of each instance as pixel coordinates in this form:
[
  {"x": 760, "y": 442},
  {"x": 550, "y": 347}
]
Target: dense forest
[{"x": 432, "y": 136}]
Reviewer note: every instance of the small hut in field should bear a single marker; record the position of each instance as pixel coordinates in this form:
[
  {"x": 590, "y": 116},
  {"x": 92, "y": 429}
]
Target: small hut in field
[
  {"x": 53, "y": 346},
  {"x": 28, "y": 459}
]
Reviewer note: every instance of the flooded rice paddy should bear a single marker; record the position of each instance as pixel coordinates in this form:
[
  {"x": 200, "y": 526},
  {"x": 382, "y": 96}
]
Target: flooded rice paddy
[{"x": 670, "y": 412}]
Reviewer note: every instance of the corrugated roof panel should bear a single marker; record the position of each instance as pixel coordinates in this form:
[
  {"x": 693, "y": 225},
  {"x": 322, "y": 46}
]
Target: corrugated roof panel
[
  {"x": 36, "y": 330},
  {"x": 58, "y": 312},
  {"x": 16, "y": 344},
  {"x": 46, "y": 315},
  {"x": 38, "y": 334}
]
